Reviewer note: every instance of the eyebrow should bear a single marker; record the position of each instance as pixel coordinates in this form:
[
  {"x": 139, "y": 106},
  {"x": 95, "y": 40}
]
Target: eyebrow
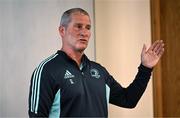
[{"x": 89, "y": 25}]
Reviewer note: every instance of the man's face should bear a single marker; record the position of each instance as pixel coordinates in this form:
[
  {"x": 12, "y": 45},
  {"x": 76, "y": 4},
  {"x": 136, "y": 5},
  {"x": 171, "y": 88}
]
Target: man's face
[{"x": 76, "y": 35}]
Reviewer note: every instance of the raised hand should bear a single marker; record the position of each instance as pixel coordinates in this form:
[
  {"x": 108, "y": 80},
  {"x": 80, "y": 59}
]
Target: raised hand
[{"x": 150, "y": 57}]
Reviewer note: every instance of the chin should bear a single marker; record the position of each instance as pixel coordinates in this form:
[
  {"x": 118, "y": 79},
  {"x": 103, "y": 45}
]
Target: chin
[{"x": 81, "y": 49}]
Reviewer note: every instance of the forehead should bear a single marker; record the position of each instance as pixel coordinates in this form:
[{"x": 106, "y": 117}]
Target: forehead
[{"x": 78, "y": 17}]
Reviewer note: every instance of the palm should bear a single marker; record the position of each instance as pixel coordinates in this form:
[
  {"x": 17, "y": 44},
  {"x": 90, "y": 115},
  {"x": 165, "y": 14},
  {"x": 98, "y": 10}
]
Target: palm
[{"x": 150, "y": 57}]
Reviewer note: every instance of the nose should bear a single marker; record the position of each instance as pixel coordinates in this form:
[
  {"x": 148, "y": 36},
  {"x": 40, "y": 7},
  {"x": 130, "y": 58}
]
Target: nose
[{"x": 84, "y": 32}]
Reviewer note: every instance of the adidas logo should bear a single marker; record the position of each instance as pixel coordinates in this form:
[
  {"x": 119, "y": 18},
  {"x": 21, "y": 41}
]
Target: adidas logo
[{"x": 68, "y": 75}]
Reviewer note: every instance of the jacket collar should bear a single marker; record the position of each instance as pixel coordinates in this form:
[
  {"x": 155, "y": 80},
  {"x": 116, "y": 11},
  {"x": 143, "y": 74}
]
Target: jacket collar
[{"x": 84, "y": 59}]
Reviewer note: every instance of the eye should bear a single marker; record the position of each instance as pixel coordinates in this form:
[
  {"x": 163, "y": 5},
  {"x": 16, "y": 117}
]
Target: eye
[
  {"x": 88, "y": 27},
  {"x": 79, "y": 26}
]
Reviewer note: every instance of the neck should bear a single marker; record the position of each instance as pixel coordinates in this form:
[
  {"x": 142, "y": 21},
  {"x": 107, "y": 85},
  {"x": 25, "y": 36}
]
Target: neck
[{"x": 75, "y": 55}]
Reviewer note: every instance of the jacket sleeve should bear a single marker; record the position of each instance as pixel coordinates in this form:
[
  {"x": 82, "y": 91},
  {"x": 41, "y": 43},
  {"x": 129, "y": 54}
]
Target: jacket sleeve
[
  {"x": 129, "y": 97},
  {"x": 41, "y": 93}
]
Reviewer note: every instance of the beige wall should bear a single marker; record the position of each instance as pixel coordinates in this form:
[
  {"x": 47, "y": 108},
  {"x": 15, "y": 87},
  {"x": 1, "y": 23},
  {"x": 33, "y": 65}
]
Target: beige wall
[{"x": 122, "y": 26}]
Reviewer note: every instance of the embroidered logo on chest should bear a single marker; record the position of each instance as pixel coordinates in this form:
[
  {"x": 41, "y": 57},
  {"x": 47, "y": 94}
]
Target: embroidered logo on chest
[
  {"x": 68, "y": 75},
  {"x": 95, "y": 73}
]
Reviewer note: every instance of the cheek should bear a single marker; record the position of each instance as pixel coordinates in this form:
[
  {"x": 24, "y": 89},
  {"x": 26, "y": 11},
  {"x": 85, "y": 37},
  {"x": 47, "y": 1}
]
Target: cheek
[
  {"x": 74, "y": 34},
  {"x": 71, "y": 35}
]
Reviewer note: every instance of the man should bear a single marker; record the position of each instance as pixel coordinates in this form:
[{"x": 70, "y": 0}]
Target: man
[{"x": 68, "y": 84}]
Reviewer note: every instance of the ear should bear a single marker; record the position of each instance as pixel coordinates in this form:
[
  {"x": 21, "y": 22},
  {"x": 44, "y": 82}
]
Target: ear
[{"x": 62, "y": 31}]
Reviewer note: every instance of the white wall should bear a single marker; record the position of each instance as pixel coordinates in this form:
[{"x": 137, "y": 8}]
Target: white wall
[
  {"x": 28, "y": 34},
  {"x": 122, "y": 26}
]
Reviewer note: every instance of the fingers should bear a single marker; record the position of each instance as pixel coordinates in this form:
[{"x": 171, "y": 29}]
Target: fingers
[
  {"x": 159, "y": 54},
  {"x": 153, "y": 45},
  {"x": 159, "y": 48}
]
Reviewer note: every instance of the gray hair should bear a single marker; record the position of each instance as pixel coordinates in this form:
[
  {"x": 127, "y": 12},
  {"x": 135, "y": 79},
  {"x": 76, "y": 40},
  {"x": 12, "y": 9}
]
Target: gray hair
[{"x": 66, "y": 17}]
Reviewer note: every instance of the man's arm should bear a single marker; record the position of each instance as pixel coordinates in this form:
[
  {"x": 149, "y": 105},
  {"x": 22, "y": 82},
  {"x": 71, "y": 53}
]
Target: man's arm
[
  {"x": 128, "y": 97},
  {"x": 41, "y": 93}
]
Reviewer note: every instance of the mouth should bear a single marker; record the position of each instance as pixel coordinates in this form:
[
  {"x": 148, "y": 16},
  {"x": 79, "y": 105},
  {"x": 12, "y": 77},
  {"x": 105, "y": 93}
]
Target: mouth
[{"x": 82, "y": 40}]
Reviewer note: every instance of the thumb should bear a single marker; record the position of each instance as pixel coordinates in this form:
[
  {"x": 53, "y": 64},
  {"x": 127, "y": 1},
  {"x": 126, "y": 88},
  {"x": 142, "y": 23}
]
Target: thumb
[{"x": 144, "y": 49}]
